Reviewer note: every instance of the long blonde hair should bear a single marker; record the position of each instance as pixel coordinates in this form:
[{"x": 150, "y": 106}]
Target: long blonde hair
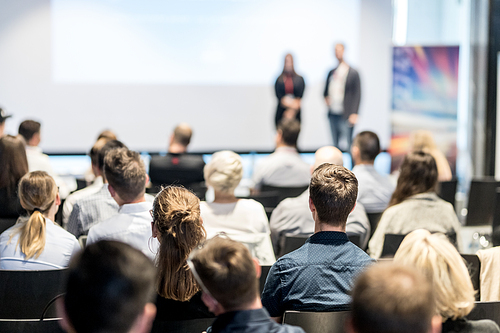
[{"x": 37, "y": 192}]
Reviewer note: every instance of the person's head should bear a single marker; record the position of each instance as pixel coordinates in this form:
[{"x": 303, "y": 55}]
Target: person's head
[
  {"x": 107, "y": 134},
  {"x": 182, "y": 135},
  {"x": 126, "y": 175},
  {"x": 228, "y": 273},
  {"x": 178, "y": 226},
  {"x": 390, "y": 298},
  {"x": 443, "y": 266},
  {"x": 13, "y": 162},
  {"x": 30, "y": 131},
  {"x": 422, "y": 140},
  {"x": 288, "y": 132},
  {"x": 39, "y": 195},
  {"x": 108, "y": 146},
  {"x": 224, "y": 171},
  {"x": 288, "y": 68},
  {"x": 418, "y": 174},
  {"x": 332, "y": 194},
  {"x": 365, "y": 147},
  {"x": 339, "y": 52},
  {"x": 110, "y": 288},
  {"x": 3, "y": 117},
  {"x": 94, "y": 155},
  {"x": 327, "y": 154}
]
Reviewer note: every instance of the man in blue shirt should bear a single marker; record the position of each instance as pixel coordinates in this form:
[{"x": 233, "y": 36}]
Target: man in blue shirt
[{"x": 319, "y": 275}]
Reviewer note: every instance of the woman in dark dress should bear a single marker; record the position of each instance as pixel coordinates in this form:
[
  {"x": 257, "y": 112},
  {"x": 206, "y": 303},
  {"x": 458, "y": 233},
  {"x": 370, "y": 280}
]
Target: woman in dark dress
[
  {"x": 289, "y": 88},
  {"x": 179, "y": 229}
]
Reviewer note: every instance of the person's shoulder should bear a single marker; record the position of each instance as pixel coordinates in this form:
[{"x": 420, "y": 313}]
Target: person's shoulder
[
  {"x": 59, "y": 232},
  {"x": 249, "y": 204},
  {"x": 483, "y": 326}
]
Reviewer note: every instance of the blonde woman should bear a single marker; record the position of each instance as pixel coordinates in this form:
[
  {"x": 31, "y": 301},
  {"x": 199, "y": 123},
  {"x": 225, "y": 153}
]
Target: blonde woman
[
  {"x": 443, "y": 266},
  {"x": 243, "y": 220},
  {"x": 36, "y": 242}
]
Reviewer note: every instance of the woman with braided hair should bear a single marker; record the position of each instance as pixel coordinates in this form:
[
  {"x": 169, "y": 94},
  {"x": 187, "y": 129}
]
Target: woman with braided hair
[
  {"x": 178, "y": 227},
  {"x": 36, "y": 242}
]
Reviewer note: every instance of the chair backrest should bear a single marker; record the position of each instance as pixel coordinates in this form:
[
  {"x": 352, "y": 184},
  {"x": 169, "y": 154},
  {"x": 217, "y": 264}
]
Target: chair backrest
[
  {"x": 267, "y": 199},
  {"x": 447, "y": 190},
  {"x": 285, "y": 192},
  {"x": 24, "y": 294},
  {"x": 182, "y": 326},
  {"x": 356, "y": 240},
  {"x": 6, "y": 223},
  {"x": 391, "y": 244},
  {"x": 486, "y": 310},
  {"x": 474, "y": 268},
  {"x": 292, "y": 243},
  {"x": 31, "y": 325},
  {"x": 317, "y": 322},
  {"x": 83, "y": 241},
  {"x": 373, "y": 218},
  {"x": 264, "y": 271},
  {"x": 482, "y": 197}
]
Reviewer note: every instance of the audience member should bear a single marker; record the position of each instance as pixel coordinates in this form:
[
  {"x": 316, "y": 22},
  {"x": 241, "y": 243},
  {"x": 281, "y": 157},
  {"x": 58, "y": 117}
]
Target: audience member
[
  {"x": 244, "y": 220},
  {"x": 96, "y": 207},
  {"x": 13, "y": 166},
  {"x": 284, "y": 167},
  {"x": 108, "y": 135},
  {"x": 415, "y": 204},
  {"x": 109, "y": 288},
  {"x": 319, "y": 275},
  {"x": 375, "y": 190},
  {"x": 3, "y": 117},
  {"x": 422, "y": 140},
  {"x": 292, "y": 215},
  {"x": 127, "y": 179},
  {"x": 178, "y": 166},
  {"x": 104, "y": 136},
  {"x": 229, "y": 278},
  {"x": 389, "y": 298},
  {"x": 443, "y": 266},
  {"x": 179, "y": 229},
  {"x": 36, "y": 242}
]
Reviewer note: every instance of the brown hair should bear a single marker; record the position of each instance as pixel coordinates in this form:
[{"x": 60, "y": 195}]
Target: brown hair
[
  {"x": 96, "y": 148},
  {"x": 333, "y": 191},
  {"x": 37, "y": 192},
  {"x": 368, "y": 145},
  {"x": 107, "y": 134},
  {"x": 418, "y": 174},
  {"x": 28, "y": 128},
  {"x": 182, "y": 134},
  {"x": 13, "y": 162},
  {"x": 176, "y": 215},
  {"x": 126, "y": 173},
  {"x": 283, "y": 73},
  {"x": 290, "y": 130},
  {"x": 227, "y": 270}
]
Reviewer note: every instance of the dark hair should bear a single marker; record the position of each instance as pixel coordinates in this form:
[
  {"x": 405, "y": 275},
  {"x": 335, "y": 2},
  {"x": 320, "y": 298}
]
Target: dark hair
[
  {"x": 13, "y": 162},
  {"x": 28, "y": 128},
  {"x": 176, "y": 215},
  {"x": 112, "y": 144},
  {"x": 388, "y": 298},
  {"x": 368, "y": 145},
  {"x": 290, "y": 129},
  {"x": 96, "y": 148},
  {"x": 283, "y": 73},
  {"x": 227, "y": 270},
  {"x": 333, "y": 191},
  {"x": 418, "y": 174},
  {"x": 182, "y": 134},
  {"x": 126, "y": 173},
  {"x": 108, "y": 285}
]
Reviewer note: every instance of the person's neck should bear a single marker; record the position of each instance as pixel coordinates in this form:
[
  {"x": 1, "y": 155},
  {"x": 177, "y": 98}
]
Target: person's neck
[
  {"x": 283, "y": 145},
  {"x": 176, "y": 148},
  {"x": 319, "y": 227},
  {"x": 255, "y": 305},
  {"x": 364, "y": 162},
  {"x": 224, "y": 197},
  {"x": 139, "y": 199}
]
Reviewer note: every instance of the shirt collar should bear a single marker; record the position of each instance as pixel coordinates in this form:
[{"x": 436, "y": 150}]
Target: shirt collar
[
  {"x": 138, "y": 207},
  {"x": 324, "y": 236},
  {"x": 286, "y": 149},
  {"x": 33, "y": 148},
  {"x": 240, "y": 317}
]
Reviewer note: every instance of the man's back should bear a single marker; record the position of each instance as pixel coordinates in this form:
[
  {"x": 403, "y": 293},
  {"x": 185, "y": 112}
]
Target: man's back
[
  {"x": 375, "y": 190},
  {"x": 183, "y": 169}
]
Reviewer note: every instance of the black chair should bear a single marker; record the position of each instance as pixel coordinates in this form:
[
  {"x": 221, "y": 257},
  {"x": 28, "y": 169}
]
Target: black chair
[
  {"x": 482, "y": 197},
  {"x": 292, "y": 243},
  {"x": 447, "y": 191},
  {"x": 486, "y": 310},
  {"x": 6, "y": 223},
  {"x": 267, "y": 199},
  {"x": 393, "y": 241},
  {"x": 31, "y": 325},
  {"x": 356, "y": 240},
  {"x": 474, "y": 268},
  {"x": 263, "y": 276},
  {"x": 373, "y": 218},
  {"x": 182, "y": 326},
  {"x": 317, "y": 322},
  {"x": 284, "y": 192},
  {"x": 25, "y": 294}
]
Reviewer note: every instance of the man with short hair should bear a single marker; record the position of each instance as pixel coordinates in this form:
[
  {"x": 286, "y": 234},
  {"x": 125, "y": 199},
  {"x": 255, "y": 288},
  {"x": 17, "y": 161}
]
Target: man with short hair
[
  {"x": 388, "y": 298},
  {"x": 110, "y": 288},
  {"x": 284, "y": 167},
  {"x": 228, "y": 277},
  {"x": 319, "y": 275},
  {"x": 127, "y": 179},
  {"x": 292, "y": 215},
  {"x": 3, "y": 117},
  {"x": 375, "y": 190},
  {"x": 177, "y": 167}
]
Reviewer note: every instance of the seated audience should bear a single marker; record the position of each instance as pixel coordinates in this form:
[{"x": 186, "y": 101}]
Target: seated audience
[
  {"x": 375, "y": 190},
  {"x": 3, "y": 117},
  {"x": 96, "y": 207},
  {"x": 292, "y": 215},
  {"x": 423, "y": 141},
  {"x": 244, "y": 220},
  {"x": 415, "y": 204},
  {"x": 13, "y": 166},
  {"x": 229, "y": 279},
  {"x": 389, "y": 298},
  {"x": 127, "y": 179},
  {"x": 284, "y": 167},
  {"x": 179, "y": 229},
  {"x": 110, "y": 288},
  {"x": 319, "y": 275},
  {"x": 178, "y": 166},
  {"x": 445, "y": 269},
  {"x": 36, "y": 242}
]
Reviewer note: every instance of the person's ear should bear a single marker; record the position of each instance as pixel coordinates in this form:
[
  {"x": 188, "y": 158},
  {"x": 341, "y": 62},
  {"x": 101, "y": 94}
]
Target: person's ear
[
  {"x": 154, "y": 230},
  {"x": 212, "y": 304},
  {"x": 355, "y": 203},
  {"x": 144, "y": 321},
  {"x": 147, "y": 180},
  {"x": 111, "y": 190},
  {"x": 436, "y": 324},
  {"x": 258, "y": 269},
  {"x": 61, "y": 313},
  {"x": 58, "y": 199},
  {"x": 312, "y": 208}
]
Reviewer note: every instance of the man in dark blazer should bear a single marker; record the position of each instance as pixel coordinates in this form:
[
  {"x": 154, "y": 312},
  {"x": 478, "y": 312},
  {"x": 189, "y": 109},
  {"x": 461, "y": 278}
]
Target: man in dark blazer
[{"x": 342, "y": 96}]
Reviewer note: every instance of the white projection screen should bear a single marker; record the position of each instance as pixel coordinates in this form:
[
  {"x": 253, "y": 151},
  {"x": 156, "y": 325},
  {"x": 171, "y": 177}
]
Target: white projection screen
[{"x": 141, "y": 67}]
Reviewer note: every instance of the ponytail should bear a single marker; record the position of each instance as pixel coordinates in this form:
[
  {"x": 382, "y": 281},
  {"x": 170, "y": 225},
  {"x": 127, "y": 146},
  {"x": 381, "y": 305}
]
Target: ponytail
[{"x": 32, "y": 235}]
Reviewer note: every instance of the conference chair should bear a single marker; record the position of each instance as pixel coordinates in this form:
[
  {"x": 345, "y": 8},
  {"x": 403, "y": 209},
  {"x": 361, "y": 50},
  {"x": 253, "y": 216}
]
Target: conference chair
[
  {"x": 182, "y": 326},
  {"x": 31, "y": 325},
  {"x": 263, "y": 276},
  {"x": 474, "y": 267},
  {"x": 373, "y": 218},
  {"x": 25, "y": 294},
  {"x": 482, "y": 197},
  {"x": 486, "y": 310},
  {"x": 393, "y": 241},
  {"x": 6, "y": 223},
  {"x": 317, "y": 322},
  {"x": 284, "y": 192},
  {"x": 268, "y": 199},
  {"x": 447, "y": 191}
]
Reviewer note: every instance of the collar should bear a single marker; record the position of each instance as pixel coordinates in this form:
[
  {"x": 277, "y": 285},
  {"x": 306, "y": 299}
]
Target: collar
[
  {"x": 240, "y": 317},
  {"x": 431, "y": 196},
  {"x": 364, "y": 166},
  {"x": 326, "y": 236},
  {"x": 33, "y": 148},
  {"x": 132, "y": 208},
  {"x": 286, "y": 149}
]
